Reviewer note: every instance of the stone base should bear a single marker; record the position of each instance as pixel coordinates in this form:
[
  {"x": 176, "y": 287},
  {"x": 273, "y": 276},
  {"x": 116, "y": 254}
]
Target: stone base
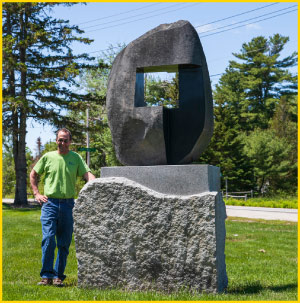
[
  {"x": 174, "y": 180},
  {"x": 130, "y": 236}
]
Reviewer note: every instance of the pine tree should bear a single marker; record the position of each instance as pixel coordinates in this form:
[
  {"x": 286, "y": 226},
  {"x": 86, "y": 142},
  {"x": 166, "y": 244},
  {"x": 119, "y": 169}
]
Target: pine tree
[
  {"x": 226, "y": 149},
  {"x": 269, "y": 156},
  {"x": 39, "y": 75},
  {"x": 263, "y": 79},
  {"x": 285, "y": 128},
  {"x": 247, "y": 98}
]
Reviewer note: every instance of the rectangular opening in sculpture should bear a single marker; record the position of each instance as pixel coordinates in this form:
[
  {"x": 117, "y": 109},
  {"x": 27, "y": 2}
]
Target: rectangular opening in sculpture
[{"x": 157, "y": 86}]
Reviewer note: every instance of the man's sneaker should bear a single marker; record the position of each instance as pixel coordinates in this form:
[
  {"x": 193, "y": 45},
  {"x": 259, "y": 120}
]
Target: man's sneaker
[
  {"x": 58, "y": 282},
  {"x": 45, "y": 281}
]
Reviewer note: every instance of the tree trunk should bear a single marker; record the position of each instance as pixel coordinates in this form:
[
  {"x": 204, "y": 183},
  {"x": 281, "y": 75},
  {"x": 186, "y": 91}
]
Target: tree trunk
[
  {"x": 19, "y": 142},
  {"x": 20, "y": 163},
  {"x": 261, "y": 185}
]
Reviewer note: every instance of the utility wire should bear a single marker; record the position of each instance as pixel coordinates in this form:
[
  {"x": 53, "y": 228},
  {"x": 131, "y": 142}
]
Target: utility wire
[
  {"x": 259, "y": 8},
  {"x": 102, "y": 28},
  {"x": 247, "y": 24},
  {"x": 132, "y": 10},
  {"x": 234, "y": 28},
  {"x": 217, "y": 21},
  {"x": 210, "y": 76},
  {"x": 250, "y": 19},
  {"x": 280, "y": 44},
  {"x": 212, "y": 33},
  {"x": 115, "y": 47},
  {"x": 132, "y": 16}
]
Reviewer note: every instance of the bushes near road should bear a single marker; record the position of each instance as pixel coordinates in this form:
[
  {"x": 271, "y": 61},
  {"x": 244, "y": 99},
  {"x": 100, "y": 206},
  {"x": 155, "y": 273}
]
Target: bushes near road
[{"x": 275, "y": 202}]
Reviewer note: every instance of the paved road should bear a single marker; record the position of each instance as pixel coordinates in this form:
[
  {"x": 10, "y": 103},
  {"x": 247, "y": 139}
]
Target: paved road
[
  {"x": 282, "y": 214},
  {"x": 263, "y": 213}
]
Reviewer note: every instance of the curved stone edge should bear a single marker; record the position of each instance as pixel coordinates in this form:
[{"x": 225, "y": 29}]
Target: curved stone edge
[{"x": 130, "y": 183}]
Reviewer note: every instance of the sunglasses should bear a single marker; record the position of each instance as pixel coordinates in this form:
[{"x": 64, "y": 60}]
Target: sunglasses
[{"x": 63, "y": 140}]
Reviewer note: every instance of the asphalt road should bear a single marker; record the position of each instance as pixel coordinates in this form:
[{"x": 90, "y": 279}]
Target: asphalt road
[{"x": 282, "y": 214}]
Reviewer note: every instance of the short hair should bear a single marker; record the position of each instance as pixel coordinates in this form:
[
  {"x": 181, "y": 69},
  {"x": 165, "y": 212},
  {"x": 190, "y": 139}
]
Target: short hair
[{"x": 65, "y": 131}]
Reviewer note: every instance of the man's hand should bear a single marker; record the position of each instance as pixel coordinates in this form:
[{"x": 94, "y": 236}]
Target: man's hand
[
  {"x": 34, "y": 185},
  {"x": 41, "y": 198},
  {"x": 88, "y": 176}
]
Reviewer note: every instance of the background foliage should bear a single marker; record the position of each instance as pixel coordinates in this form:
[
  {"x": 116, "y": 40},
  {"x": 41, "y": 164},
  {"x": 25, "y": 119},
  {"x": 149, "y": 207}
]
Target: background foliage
[{"x": 255, "y": 107}]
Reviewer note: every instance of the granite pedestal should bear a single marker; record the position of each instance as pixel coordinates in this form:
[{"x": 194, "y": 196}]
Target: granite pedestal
[{"x": 159, "y": 228}]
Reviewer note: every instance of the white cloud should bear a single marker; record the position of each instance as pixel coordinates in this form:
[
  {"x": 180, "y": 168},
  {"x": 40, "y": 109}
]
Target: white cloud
[
  {"x": 205, "y": 28},
  {"x": 253, "y": 26}
]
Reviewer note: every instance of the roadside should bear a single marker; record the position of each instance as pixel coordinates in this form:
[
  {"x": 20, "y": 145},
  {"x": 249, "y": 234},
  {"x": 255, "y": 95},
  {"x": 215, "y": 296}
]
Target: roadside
[{"x": 282, "y": 214}]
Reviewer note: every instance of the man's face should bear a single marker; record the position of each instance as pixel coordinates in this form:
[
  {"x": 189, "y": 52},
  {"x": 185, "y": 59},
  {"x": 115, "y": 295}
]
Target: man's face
[{"x": 63, "y": 142}]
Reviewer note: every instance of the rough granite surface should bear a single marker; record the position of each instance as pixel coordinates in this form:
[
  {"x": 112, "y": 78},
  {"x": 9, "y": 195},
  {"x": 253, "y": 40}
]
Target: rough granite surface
[{"x": 130, "y": 236}]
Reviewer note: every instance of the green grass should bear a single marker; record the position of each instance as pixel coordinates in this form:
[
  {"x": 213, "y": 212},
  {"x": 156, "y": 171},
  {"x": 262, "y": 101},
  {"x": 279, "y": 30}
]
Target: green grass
[
  {"x": 261, "y": 259},
  {"x": 271, "y": 202}
]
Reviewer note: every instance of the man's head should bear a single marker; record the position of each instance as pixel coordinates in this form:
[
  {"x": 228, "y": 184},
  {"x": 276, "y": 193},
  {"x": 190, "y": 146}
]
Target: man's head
[{"x": 63, "y": 140}]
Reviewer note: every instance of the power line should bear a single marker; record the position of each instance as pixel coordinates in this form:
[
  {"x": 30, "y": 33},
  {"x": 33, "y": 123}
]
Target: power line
[
  {"x": 250, "y": 19},
  {"x": 210, "y": 76},
  {"x": 222, "y": 19},
  {"x": 131, "y": 16},
  {"x": 211, "y": 60},
  {"x": 103, "y": 50},
  {"x": 226, "y": 18},
  {"x": 234, "y": 28},
  {"x": 137, "y": 9},
  {"x": 143, "y": 18},
  {"x": 247, "y": 24},
  {"x": 246, "y": 12},
  {"x": 280, "y": 44}
]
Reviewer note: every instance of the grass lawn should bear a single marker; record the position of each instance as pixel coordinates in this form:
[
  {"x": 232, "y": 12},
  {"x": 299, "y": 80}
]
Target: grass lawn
[{"x": 261, "y": 259}]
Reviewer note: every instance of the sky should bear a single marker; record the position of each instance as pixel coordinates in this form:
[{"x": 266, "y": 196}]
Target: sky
[{"x": 222, "y": 27}]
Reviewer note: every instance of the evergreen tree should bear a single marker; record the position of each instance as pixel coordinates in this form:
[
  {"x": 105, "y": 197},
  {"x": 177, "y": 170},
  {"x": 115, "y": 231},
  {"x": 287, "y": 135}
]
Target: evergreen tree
[
  {"x": 285, "y": 127},
  {"x": 254, "y": 86},
  {"x": 226, "y": 150},
  {"x": 269, "y": 156},
  {"x": 247, "y": 98},
  {"x": 39, "y": 75}
]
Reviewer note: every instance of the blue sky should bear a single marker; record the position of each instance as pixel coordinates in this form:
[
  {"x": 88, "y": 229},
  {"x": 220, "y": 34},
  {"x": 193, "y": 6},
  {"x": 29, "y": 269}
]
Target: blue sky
[{"x": 222, "y": 26}]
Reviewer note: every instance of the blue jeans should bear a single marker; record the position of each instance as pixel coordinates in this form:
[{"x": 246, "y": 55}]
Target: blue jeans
[{"x": 57, "y": 221}]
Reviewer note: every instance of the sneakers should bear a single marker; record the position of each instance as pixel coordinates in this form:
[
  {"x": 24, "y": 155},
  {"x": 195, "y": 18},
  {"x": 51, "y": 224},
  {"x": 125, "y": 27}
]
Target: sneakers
[
  {"x": 55, "y": 282},
  {"x": 58, "y": 282},
  {"x": 45, "y": 281}
]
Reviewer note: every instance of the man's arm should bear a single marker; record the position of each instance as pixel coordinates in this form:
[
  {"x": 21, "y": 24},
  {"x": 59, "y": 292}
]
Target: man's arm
[
  {"x": 88, "y": 176},
  {"x": 34, "y": 185}
]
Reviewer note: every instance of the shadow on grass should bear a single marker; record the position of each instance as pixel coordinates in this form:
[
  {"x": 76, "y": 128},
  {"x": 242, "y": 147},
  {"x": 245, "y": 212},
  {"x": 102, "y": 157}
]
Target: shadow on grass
[
  {"x": 29, "y": 207},
  {"x": 256, "y": 288}
]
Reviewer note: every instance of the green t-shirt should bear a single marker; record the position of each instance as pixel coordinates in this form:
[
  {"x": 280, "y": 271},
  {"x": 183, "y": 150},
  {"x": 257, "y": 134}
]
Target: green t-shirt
[{"x": 61, "y": 172}]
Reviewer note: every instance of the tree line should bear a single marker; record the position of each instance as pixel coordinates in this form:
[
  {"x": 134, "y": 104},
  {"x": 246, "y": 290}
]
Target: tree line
[{"x": 255, "y": 102}]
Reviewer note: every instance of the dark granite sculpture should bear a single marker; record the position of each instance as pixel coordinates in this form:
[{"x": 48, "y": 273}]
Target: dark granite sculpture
[{"x": 157, "y": 135}]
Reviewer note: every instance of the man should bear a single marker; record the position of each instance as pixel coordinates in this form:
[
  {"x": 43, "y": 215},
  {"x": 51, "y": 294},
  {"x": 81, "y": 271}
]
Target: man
[{"x": 61, "y": 169}]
